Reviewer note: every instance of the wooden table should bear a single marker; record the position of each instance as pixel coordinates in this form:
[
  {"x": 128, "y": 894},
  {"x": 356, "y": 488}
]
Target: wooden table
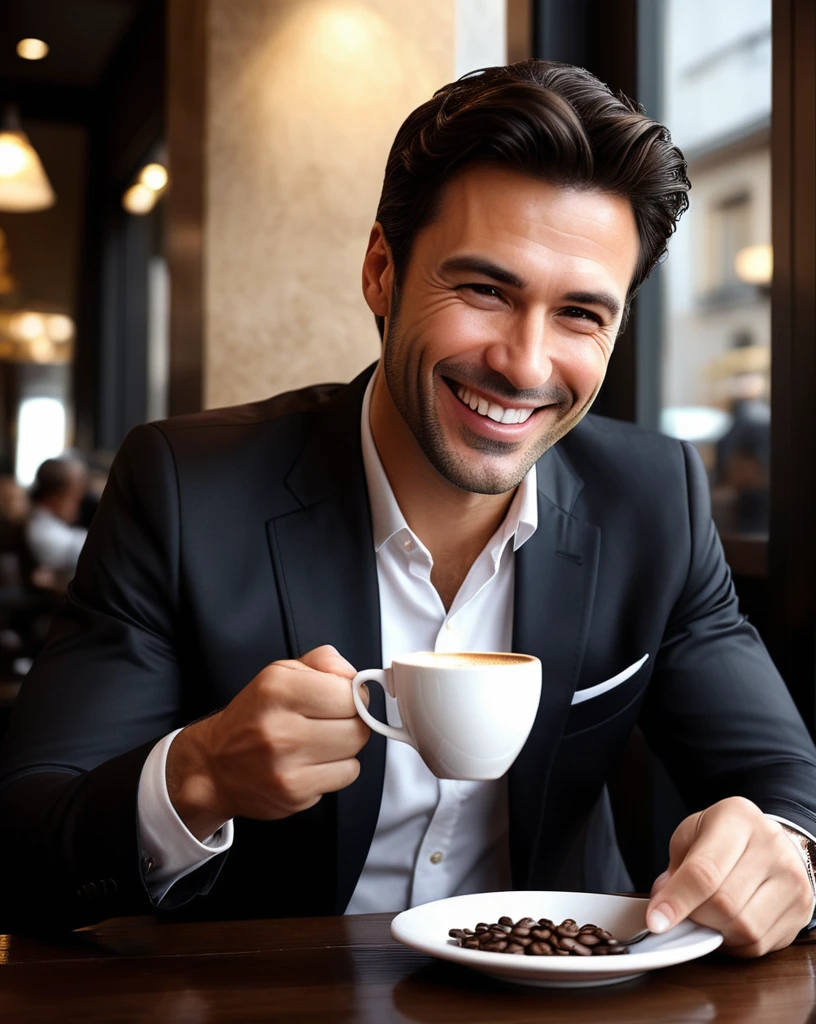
[{"x": 350, "y": 969}]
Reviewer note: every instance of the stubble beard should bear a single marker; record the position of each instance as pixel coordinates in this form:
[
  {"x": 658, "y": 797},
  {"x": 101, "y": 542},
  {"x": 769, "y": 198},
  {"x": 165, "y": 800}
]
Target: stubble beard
[{"x": 421, "y": 417}]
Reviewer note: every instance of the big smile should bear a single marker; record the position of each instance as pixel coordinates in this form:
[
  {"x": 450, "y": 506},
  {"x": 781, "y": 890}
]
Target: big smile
[{"x": 488, "y": 408}]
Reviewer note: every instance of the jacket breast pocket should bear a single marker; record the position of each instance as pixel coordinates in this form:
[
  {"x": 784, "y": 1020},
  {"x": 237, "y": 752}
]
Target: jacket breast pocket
[{"x": 599, "y": 703}]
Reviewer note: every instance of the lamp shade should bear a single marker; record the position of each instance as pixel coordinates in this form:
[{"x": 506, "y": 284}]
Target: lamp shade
[{"x": 24, "y": 185}]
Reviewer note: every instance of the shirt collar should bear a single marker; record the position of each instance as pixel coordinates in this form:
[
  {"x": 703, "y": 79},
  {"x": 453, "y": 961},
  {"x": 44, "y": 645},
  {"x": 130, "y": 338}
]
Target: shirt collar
[{"x": 520, "y": 523}]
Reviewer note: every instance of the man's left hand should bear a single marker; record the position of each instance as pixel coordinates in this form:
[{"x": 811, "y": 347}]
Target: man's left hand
[{"x": 735, "y": 870}]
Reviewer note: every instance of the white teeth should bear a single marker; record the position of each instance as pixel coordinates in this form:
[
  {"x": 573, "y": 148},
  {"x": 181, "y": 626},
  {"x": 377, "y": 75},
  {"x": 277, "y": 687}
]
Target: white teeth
[{"x": 493, "y": 410}]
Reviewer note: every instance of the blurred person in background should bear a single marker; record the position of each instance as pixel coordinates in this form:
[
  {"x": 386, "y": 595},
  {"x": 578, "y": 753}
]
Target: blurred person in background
[
  {"x": 56, "y": 496},
  {"x": 744, "y": 456}
]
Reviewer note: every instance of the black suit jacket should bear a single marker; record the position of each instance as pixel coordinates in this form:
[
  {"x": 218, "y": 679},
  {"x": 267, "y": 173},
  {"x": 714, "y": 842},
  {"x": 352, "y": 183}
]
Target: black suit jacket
[{"x": 230, "y": 539}]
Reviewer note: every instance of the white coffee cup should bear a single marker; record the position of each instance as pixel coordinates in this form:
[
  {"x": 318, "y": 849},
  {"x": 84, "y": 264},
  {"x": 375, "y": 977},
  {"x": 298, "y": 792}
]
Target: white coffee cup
[{"x": 467, "y": 714}]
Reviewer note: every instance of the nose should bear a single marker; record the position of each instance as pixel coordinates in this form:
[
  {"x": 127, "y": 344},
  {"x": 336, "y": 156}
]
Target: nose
[{"x": 524, "y": 356}]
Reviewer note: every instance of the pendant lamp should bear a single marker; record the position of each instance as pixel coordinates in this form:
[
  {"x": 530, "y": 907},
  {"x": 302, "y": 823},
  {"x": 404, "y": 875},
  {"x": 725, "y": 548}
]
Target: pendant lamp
[{"x": 24, "y": 185}]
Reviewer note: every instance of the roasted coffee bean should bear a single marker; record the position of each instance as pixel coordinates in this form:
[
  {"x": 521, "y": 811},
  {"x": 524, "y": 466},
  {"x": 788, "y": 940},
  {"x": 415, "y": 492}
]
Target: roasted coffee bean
[
  {"x": 541, "y": 938},
  {"x": 574, "y": 946}
]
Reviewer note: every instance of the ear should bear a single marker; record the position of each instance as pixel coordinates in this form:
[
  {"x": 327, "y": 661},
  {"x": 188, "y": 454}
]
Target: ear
[{"x": 378, "y": 273}]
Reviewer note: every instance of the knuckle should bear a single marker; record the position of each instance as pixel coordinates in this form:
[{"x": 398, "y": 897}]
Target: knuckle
[
  {"x": 705, "y": 873},
  {"x": 285, "y": 784},
  {"x": 748, "y": 933},
  {"x": 743, "y": 805},
  {"x": 724, "y": 905}
]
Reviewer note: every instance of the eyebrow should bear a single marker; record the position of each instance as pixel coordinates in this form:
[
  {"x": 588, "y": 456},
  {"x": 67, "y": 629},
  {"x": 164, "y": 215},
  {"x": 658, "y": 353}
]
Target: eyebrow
[
  {"x": 604, "y": 299},
  {"x": 479, "y": 265},
  {"x": 485, "y": 267}
]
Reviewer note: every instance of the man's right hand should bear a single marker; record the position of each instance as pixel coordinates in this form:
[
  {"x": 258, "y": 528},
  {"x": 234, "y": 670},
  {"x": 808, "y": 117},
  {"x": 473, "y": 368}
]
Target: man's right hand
[{"x": 287, "y": 738}]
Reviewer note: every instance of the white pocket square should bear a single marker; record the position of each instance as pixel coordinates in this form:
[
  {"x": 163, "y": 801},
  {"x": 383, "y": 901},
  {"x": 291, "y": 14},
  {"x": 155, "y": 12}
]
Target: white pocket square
[{"x": 595, "y": 691}]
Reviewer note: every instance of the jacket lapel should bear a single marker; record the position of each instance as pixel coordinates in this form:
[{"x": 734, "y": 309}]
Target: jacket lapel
[
  {"x": 325, "y": 566},
  {"x": 556, "y": 572}
]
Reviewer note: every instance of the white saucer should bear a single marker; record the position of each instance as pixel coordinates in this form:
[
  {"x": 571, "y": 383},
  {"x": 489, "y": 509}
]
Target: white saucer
[{"x": 426, "y": 928}]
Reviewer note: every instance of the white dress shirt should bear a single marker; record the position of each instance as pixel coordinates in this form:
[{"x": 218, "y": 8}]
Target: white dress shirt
[
  {"x": 434, "y": 838},
  {"x": 54, "y": 543}
]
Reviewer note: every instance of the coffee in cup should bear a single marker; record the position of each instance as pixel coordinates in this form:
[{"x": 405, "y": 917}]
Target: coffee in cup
[{"x": 468, "y": 714}]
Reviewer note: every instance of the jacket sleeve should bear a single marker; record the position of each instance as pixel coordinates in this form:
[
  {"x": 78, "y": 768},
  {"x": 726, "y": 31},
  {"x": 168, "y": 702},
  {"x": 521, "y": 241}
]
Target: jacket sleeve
[
  {"x": 717, "y": 712},
  {"x": 109, "y": 684}
]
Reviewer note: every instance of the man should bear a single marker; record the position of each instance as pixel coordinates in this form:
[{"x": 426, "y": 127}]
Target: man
[
  {"x": 195, "y": 695},
  {"x": 56, "y": 498}
]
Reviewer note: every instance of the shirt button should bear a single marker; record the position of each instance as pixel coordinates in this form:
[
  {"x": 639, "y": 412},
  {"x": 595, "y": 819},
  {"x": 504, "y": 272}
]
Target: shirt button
[
  {"x": 408, "y": 545},
  {"x": 437, "y": 856},
  {"x": 450, "y": 624}
]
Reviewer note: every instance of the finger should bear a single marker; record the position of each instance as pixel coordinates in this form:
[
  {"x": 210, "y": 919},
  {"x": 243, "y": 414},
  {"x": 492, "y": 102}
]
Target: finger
[
  {"x": 328, "y": 659},
  {"x": 328, "y": 777},
  {"x": 768, "y": 921},
  {"x": 748, "y": 875},
  {"x": 720, "y": 841},
  {"x": 308, "y": 692},
  {"x": 327, "y": 740},
  {"x": 659, "y": 882}
]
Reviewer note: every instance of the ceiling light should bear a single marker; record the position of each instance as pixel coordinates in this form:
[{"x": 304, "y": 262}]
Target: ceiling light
[
  {"x": 754, "y": 264},
  {"x": 24, "y": 185},
  {"x": 32, "y": 49},
  {"x": 154, "y": 176},
  {"x": 139, "y": 199}
]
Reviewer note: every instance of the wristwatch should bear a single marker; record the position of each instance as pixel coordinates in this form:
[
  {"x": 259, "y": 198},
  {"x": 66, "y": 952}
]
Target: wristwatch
[{"x": 807, "y": 850}]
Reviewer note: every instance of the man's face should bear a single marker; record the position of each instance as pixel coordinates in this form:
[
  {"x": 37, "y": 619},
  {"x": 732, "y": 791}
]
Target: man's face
[{"x": 505, "y": 320}]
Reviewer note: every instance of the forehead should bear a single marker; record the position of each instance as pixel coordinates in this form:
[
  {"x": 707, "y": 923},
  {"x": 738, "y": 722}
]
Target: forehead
[{"x": 535, "y": 226}]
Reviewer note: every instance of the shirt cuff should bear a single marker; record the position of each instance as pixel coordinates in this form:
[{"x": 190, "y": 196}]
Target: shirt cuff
[{"x": 169, "y": 850}]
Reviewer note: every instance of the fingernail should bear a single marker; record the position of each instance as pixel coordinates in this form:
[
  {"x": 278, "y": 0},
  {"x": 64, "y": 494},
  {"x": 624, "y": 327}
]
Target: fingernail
[
  {"x": 659, "y": 919},
  {"x": 660, "y": 880}
]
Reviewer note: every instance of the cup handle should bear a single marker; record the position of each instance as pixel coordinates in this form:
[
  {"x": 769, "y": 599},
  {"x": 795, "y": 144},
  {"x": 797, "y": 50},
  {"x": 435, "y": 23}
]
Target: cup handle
[{"x": 376, "y": 675}]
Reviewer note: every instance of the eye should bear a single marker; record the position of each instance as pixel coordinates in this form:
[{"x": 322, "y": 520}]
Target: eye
[
  {"x": 485, "y": 290},
  {"x": 579, "y": 313}
]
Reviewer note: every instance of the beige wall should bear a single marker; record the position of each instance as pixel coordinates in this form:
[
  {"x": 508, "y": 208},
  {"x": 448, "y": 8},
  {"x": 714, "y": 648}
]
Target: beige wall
[{"x": 304, "y": 98}]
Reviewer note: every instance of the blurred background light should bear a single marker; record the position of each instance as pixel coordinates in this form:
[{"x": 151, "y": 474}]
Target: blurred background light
[
  {"x": 28, "y": 326},
  {"x": 24, "y": 185},
  {"x": 154, "y": 176},
  {"x": 754, "y": 264},
  {"x": 32, "y": 49},
  {"x": 696, "y": 423},
  {"x": 59, "y": 327},
  {"x": 139, "y": 199}
]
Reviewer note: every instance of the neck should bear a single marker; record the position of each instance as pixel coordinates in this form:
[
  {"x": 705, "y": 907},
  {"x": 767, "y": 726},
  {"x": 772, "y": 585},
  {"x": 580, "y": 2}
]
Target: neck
[{"x": 453, "y": 524}]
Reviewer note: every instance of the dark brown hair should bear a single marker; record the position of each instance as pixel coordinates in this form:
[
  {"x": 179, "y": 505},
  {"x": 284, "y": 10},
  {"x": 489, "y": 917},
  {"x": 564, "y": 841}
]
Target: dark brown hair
[{"x": 546, "y": 119}]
